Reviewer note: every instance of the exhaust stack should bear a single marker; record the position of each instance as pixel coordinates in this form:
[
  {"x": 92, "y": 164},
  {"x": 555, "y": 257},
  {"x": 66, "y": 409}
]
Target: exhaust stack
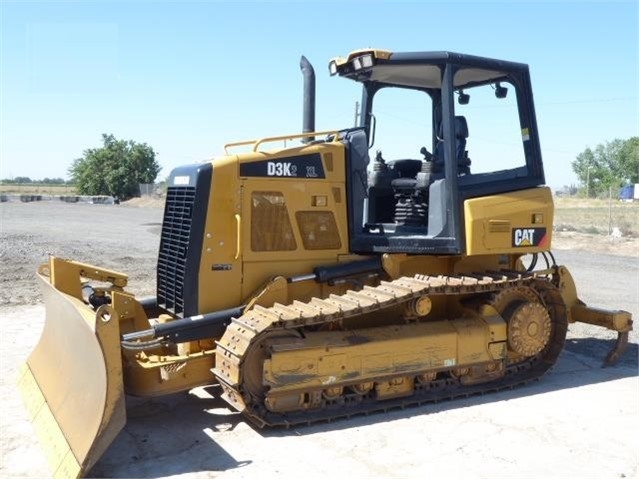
[{"x": 308, "y": 113}]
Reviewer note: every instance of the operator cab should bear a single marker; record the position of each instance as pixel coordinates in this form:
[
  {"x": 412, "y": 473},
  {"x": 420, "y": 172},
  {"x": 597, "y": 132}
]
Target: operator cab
[{"x": 407, "y": 181}]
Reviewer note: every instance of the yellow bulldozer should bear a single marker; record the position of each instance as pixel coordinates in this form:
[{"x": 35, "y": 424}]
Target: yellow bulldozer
[{"x": 325, "y": 274}]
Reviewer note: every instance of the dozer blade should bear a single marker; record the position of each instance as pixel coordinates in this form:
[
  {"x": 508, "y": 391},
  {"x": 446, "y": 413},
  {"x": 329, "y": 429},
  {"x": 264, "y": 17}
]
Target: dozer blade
[{"x": 72, "y": 382}]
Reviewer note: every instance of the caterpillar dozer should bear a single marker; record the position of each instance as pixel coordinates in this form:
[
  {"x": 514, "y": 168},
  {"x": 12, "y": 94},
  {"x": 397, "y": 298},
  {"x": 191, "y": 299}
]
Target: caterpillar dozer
[{"x": 313, "y": 280}]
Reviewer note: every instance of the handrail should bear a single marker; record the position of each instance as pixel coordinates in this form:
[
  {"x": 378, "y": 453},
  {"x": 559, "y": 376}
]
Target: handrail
[
  {"x": 238, "y": 245},
  {"x": 257, "y": 143},
  {"x": 237, "y": 143}
]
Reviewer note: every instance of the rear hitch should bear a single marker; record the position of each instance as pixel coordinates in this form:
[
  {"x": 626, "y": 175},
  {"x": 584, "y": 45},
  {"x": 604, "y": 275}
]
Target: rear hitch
[
  {"x": 618, "y": 349},
  {"x": 615, "y": 320},
  {"x": 620, "y": 321}
]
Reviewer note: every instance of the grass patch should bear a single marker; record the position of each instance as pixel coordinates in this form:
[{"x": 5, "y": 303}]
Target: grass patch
[
  {"x": 596, "y": 216},
  {"x": 38, "y": 189}
]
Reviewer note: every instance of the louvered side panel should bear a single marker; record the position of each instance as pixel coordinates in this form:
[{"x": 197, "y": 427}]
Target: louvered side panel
[{"x": 174, "y": 244}]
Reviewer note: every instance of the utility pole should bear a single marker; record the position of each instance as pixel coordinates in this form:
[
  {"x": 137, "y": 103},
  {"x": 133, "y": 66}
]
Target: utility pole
[
  {"x": 356, "y": 112},
  {"x": 610, "y": 211}
]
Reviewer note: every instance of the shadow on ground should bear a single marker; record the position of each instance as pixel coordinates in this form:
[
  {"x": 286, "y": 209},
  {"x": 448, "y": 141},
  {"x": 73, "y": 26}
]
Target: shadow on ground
[
  {"x": 598, "y": 348},
  {"x": 164, "y": 435}
]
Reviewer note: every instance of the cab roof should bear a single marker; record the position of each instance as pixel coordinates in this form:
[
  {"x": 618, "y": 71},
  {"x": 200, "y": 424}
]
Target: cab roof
[{"x": 421, "y": 69}]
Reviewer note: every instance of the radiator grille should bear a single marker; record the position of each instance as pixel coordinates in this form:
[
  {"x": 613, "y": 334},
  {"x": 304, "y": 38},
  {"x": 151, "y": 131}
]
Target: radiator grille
[{"x": 174, "y": 244}]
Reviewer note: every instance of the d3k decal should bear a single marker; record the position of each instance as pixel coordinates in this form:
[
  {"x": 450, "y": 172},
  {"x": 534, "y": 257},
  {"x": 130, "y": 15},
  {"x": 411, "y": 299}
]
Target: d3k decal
[{"x": 303, "y": 166}]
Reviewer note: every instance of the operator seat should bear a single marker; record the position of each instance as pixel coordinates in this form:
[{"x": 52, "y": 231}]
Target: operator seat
[{"x": 461, "y": 155}]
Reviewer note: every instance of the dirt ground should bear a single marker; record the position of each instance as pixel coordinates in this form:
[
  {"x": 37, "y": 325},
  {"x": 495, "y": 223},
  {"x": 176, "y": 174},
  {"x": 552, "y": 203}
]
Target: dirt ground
[{"x": 578, "y": 421}]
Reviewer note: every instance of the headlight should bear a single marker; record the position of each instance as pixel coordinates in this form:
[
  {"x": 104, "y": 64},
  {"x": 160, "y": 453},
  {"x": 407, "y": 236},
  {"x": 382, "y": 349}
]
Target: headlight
[
  {"x": 332, "y": 67},
  {"x": 367, "y": 61},
  {"x": 363, "y": 61}
]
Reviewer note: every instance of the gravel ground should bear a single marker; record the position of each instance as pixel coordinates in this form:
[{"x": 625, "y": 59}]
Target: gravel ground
[
  {"x": 578, "y": 421},
  {"x": 117, "y": 237}
]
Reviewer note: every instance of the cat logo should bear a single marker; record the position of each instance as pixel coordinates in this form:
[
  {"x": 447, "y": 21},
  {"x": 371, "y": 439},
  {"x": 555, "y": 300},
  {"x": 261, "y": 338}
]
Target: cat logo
[{"x": 523, "y": 237}]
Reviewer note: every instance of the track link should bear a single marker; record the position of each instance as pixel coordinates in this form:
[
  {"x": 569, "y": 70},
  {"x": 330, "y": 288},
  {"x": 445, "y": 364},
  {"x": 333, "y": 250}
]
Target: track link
[{"x": 245, "y": 332}]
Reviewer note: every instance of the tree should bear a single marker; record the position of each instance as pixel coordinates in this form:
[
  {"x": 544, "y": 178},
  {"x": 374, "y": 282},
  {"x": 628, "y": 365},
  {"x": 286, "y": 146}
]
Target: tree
[
  {"x": 609, "y": 165},
  {"x": 53, "y": 181},
  {"x": 115, "y": 169},
  {"x": 629, "y": 159}
]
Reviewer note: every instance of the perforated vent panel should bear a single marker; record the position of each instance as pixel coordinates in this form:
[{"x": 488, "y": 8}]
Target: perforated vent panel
[{"x": 174, "y": 244}]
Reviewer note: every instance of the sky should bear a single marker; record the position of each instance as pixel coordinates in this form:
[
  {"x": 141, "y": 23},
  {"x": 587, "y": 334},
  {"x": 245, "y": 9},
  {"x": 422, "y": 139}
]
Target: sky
[{"x": 189, "y": 77}]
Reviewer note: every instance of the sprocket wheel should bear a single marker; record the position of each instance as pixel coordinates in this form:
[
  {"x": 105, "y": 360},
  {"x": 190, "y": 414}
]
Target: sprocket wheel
[
  {"x": 529, "y": 328},
  {"x": 529, "y": 323},
  {"x": 501, "y": 300}
]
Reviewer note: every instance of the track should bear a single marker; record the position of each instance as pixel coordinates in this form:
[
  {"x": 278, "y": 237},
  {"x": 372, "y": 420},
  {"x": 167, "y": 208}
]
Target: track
[{"x": 247, "y": 343}]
